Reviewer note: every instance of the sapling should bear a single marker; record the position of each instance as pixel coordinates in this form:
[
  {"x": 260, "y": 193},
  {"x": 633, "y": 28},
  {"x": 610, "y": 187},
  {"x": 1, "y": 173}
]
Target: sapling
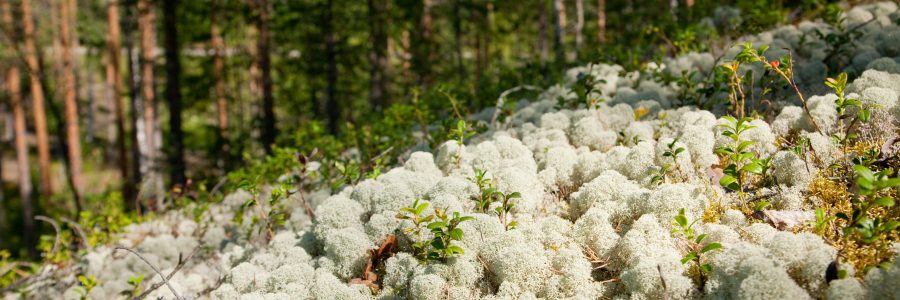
[
  {"x": 672, "y": 152},
  {"x": 783, "y": 67},
  {"x": 505, "y": 208},
  {"x": 843, "y": 105},
  {"x": 488, "y": 194},
  {"x": 821, "y": 221},
  {"x": 694, "y": 244},
  {"x": 460, "y": 134},
  {"x": 873, "y": 191},
  {"x": 87, "y": 284},
  {"x": 415, "y": 213},
  {"x": 741, "y": 160},
  {"x": 444, "y": 230}
]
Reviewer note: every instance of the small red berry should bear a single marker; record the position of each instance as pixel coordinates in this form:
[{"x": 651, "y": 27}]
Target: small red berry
[{"x": 775, "y": 63}]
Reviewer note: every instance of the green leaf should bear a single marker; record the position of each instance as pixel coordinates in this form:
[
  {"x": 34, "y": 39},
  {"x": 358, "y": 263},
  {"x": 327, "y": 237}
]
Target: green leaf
[
  {"x": 886, "y": 201},
  {"x": 466, "y": 218},
  {"x": 705, "y": 268},
  {"x": 728, "y": 182},
  {"x": 711, "y": 247},
  {"x": 421, "y": 208},
  {"x": 864, "y": 115},
  {"x": 744, "y": 145},
  {"x": 437, "y": 224},
  {"x": 456, "y": 234},
  {"x": 438, "y": 243},
  {"x": 454, "y": 249},
  {"x": 890, "y": 225},
  {"x": 700, "y": 238},
  {"x": 753, "y": 167},
  {"x": 864, "y": 173},
  {"x": 514, "y": 195},
  {"x": 889, "y": 183},
  {"x": 689, "y": 257},
  {"x": 513, "y": 225}
]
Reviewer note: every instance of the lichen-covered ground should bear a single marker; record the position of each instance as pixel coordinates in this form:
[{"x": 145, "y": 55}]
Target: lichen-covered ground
[{"x": 594, "y": 219}]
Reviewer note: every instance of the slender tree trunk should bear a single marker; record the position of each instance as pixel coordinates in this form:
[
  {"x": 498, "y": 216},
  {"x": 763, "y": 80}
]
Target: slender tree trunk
[
  {"x": 173, "y": 92},
  {"x": 218, "y": 45},
  {"x": 114, "y": 88},
  {"x": 146, "y": 26},
  {"x": 559, "y": 9},
  {"x": 457, "y": 34},
  {"x": 489, "y": 35},
  {"x": 37, "y": 99},
  {"x": 422, "y": 56},
  {"x": 269, "y": 131},
  {"x": 542, "y": 32},
  {"x": 73, "y": 132},
  {"x": 134, "y": 102},
  {"x": 579, "y": 25},
  {"x": 331, "y": 105},
  {"x": 601, "y": 21},
  {"x": 13, "y": 89},
  {"x": 378, "y": 59}
]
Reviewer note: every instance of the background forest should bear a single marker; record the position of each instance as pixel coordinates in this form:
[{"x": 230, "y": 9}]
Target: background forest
[{"x": 111, "y": 110}]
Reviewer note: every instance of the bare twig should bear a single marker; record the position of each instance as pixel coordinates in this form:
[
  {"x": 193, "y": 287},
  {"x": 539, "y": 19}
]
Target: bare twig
[
  {"x": 502, "y": 98},
  {"x": 79, "y": 230},
  {"x": 665, "y": 295},
  {"x": 219, "y": 185},
  {"x": 165, "y": 279},
  {"x": 55, "y": 228}
]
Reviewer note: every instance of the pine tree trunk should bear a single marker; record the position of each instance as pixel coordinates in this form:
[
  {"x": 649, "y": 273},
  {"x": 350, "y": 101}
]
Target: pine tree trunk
[
  {"x": 173, "y": 93},
  {"x": 146, "y": 26},
  {"x": 378, "y": 59},
  {"x": 218, "y": 45},
  {"x": 134, "y": 105},
  {"x": 331, "y": 105},
  {"x": 14, "y": 92},
  {"x": 73, "y": 132},
  {"x": 601, "y": 21},
  {"x": 114, "y": 88},
  {"x": 269, "y": 131},
  {"x": 422, "y": 56},
  {"x": 542, "y": 32},
  {"x": 37, "y": 99},
  {"x": 457, "y": 38},
  {"x": 579, "y": 25},
  {"x": 559, "y": 9}
]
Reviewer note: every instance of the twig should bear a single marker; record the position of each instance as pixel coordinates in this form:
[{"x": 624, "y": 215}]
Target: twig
[
  {"x": 665, "y": 295},
  {"x": 80, "y": 231},
  {"x": 212, "y": 288},
  {"x": 502, "y": 98},
  {"x": 219, "y": 185},
  {"x": 181, "y": 263},
  {"x": 165, "y": 280},
  {"x": 55, "y": 228}
]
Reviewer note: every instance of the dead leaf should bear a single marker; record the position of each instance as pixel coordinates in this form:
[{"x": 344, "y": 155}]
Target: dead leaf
[
  {"x": 376, "y": 259},
  {"x": 784, "y": 220}
]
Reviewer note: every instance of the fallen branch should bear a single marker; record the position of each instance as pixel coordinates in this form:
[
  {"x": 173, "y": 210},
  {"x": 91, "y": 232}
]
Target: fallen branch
[
  {"x": 502, "y": 98},
  {"x": 55, "y": 228},
  {"x": 165, "y": 279},
  {"x": 79, "y": 230}
]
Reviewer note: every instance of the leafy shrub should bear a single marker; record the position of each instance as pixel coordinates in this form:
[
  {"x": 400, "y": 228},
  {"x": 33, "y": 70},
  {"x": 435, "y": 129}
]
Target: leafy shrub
[{"x": 444, "y": 230}]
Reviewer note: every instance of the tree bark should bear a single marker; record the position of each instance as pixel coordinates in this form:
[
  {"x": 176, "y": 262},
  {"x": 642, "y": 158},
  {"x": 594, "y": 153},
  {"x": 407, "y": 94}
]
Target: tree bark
[
  {"x": 134, "y": 91},
  {"x": 422, "y": 56},
  {"x": 378, "y": 59},
  {"x": 114, "y": 88},
  {"x": 218, "y": 45},
  {"x": 457, "y": 33},
  {"x": 173, "y": 93},
  {"x": 331, "y": 105},
  {"x": 601, "y": 21},
  {"x": 579, "y": 25},
  {"x": 146, "y": 26},
  {"x": 542, "y": 32},
  {"x": 13, "y": 89},
  {"x": 73, "y": 132},
  {"x": 269, "y": 131},
  {"x": 37, "y": 99},
  {"x": 559, "y": 9}
]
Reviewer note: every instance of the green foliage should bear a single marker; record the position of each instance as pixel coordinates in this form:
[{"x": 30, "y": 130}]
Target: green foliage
[
  {"x": 444, "y": 230},
  {"x": 460, "y": 133},
  {"x": 87, "y": 284},
  {"x": 671, "y": 152},
  {"x": 488, "y": 195},
  {"x": 695, "y": 246},
  {"x": 741, "y": 160},
  {"x": 873, "y": 190},
  {"x": 821, "y": 221},
  {"x": 135, "y": 283},
  {"x": 843, "y": 105}
]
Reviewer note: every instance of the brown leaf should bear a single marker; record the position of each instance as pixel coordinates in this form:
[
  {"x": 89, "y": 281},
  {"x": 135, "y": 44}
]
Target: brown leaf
[
  {"x": 376, "y": 259},
  {"x": 785, "y": 220}
]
